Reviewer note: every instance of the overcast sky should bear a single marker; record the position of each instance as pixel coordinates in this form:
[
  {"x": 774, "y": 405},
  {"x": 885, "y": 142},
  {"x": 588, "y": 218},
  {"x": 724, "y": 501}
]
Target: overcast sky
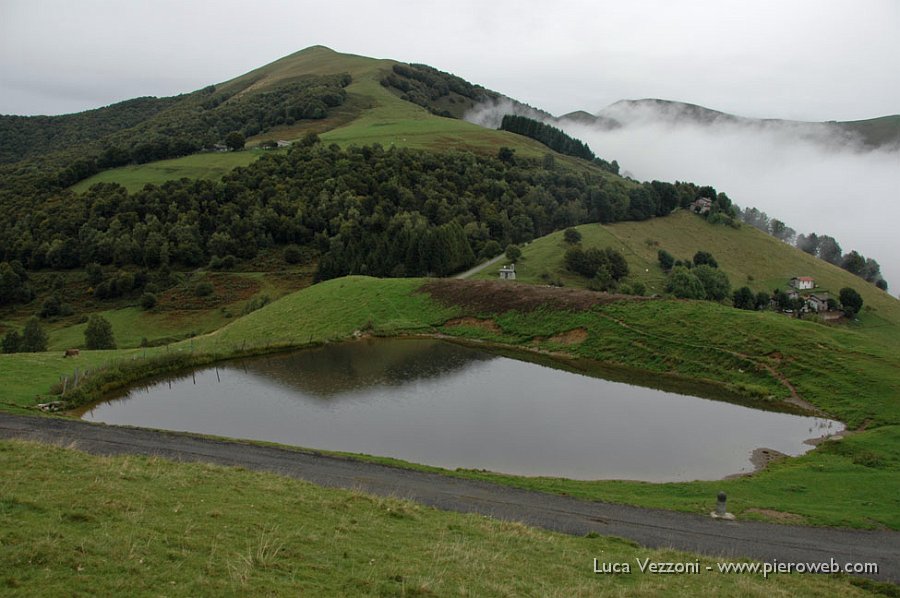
[
  {"x": 795, "y": 59},
  {"x": 803, "y": 59}
]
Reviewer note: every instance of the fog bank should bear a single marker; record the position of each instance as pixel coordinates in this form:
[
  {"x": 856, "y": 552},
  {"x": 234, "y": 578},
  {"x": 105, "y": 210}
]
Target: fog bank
[{"x": 801, "y": 174}]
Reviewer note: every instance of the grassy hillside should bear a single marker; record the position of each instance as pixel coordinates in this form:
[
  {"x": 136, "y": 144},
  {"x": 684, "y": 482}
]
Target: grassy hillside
[
  {"x": 210, "y": 166},
  {"x": 371, "y": 114},
  {"x": 697, "y": 347},
  {"x": 387, "y": 120},
  {"x": 748, "y": 256},
  {"x": 80, "y": 525}
]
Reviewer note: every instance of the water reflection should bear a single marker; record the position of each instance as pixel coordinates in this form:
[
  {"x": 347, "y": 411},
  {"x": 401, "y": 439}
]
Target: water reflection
[
  {"x": 442, "y": 404},
  {"x": 348, "y": 369}
]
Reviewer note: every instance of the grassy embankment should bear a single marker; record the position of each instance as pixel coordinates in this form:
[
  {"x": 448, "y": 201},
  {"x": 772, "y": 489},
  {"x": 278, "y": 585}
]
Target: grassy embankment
[
  {"x": 850, "y": 482},
  {"x": 77, "y": 525}
]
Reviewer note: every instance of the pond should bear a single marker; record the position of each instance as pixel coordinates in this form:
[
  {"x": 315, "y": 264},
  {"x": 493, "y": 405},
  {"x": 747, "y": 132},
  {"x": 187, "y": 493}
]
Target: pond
[{"x": 452, "y": 406}]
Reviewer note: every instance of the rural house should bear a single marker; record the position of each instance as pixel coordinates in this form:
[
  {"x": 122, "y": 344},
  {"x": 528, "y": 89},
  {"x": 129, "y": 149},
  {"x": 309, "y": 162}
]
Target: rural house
[
  {"x": 817, "y": 302},
  {"x": 803, "y": 283},
  {"x": 701, "y": 206}
]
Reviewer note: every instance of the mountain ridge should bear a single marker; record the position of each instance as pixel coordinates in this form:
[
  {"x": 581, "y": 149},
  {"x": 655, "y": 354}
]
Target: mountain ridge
[{"x": 882, "y": 132}]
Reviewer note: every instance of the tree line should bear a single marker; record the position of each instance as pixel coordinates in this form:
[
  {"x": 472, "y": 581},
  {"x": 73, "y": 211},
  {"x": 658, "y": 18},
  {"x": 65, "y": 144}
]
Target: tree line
[
  {"x": 362, "y": 210},
  {"x": 700, "y": 278},
  {"x": 77, "y": 146},
  {"x": 368, "y": 210},
  {"x": 439, "y": 92},
  {"x": 824, "y": 247},
  {"x": 555, "y": 139}
]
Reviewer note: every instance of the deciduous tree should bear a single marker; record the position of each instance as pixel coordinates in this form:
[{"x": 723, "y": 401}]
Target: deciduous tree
[{"x": 99, "y": 333}]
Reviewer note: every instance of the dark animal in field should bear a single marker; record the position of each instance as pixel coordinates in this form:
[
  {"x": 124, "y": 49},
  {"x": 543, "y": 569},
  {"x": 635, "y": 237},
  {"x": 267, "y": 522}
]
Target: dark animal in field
[{"x": 71, "y": 353}]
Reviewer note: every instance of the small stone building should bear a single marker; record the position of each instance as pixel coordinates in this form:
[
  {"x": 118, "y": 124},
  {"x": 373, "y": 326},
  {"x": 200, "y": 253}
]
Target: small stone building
[
  {"x": 508, "y": 272},
  {"x": 817, "y": 302},
  {"x": 803, "y": 283}
]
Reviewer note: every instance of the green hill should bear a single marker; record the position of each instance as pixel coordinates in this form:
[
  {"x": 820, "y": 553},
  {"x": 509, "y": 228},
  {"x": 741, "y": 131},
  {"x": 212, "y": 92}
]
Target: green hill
[
  {"x": 371, "y": 113},
  {"x": 873, "y": 133},
  {"x": 748, "y": 256},
  {"x": 211, "y": 263}
]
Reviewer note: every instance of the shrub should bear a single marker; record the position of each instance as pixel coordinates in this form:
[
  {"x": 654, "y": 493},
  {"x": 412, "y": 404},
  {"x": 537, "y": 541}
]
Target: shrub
[
  {"x": 50, "y": 307},
  {"x": 590, "y": 262},
  {"x": 572, "y": 236},
  {"x": 222, "y": 263},
  {"x": 666, "y": 261},
  {"x": 203, "y": 289},
  {"x": 513, "y": 253},
  {"x": 255, "y": 304},
  {"x": 99, "y": 334},
  {"x": 490, "y": 249},
  {"x": 684, "y": 284},
  {"x": 714, "y": 282},
  {"x": 34, "y": 339},
  {"x": 744, "y": 298},
  {"x": 148, "y": 300},
  {"x": 851, "y": 301},
  {"x": 11, "y": 342},
  {"x": 293, "y": 254},
  {"x": 94, "y": 274},
  {"x": 705, "y": 258}
]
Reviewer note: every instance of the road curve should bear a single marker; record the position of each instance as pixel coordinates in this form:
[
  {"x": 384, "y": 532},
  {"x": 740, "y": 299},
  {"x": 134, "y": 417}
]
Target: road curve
[{"x": 648, "y": 527}]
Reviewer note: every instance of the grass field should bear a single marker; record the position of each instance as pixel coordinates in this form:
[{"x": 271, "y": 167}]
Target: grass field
[
  {"x": 851, "y": 482},
  {"x": 77, "y": 525},
  {"x": 210, "y": 165}
]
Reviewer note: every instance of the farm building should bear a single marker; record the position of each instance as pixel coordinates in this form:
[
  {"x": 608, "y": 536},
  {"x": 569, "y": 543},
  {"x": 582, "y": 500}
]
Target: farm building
[
  {"x": 817, "y": 302},
  {"x": 803, "y": 283},
  {"x": 701, "y": 206},
  {"x": 508, "y": 272}
]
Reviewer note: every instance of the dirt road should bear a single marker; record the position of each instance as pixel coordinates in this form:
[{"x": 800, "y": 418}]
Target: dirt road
[{"x": 649, "y": 527}]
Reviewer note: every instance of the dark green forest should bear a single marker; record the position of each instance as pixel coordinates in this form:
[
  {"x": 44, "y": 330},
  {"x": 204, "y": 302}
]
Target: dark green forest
[
  {"x": 439, "y": 92},
  {"x": 72, "y": 147},
  {"x": 363, "y": 210},
  {"x": 555, "y": 139}
]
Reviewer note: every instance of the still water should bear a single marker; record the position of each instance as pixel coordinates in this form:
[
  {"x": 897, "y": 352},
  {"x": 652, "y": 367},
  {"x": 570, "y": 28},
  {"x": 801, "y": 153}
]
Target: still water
[{"x": 442, "y": 404}]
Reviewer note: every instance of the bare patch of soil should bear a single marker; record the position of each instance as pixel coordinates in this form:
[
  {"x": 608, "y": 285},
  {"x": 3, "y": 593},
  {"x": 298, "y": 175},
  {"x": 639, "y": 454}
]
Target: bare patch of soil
[
  {"x": 488, "y": 325},
  {"x": 493, "y": 296},
  {"x": 779, "y": 516},
  {"x": 570, "y": 337},
  {"x": 761, "y": 457},
  {"x": 227, "y": 288}
]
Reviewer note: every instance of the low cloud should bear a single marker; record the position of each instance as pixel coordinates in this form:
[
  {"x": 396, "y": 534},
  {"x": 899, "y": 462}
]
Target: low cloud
[
  {"x": 491, "y": 113},
  {"x": 808, "y": 175}
]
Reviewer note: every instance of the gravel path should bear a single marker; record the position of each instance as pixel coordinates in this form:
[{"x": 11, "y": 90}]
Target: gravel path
[
  {"x": 648, "y": 527},
  {"x": 480, "y": 267}
]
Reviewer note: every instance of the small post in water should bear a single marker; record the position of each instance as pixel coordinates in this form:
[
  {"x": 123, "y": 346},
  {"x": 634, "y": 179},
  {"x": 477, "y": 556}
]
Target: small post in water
[{"x": 721, "y": 511}]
